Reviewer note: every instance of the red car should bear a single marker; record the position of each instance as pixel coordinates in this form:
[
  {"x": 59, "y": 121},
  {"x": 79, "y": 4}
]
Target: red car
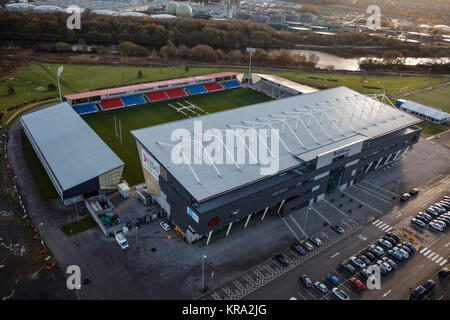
[{"x": 357, "y": 283}]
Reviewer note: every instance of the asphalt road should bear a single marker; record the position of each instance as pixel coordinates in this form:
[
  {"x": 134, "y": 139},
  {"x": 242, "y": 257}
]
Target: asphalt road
[{"x": 395, "y": 285}]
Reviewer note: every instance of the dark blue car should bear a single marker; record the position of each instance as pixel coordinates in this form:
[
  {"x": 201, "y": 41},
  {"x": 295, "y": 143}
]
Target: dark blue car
[
  {"x": 332, "y": 279},
  {"x": 297, "y": 248}
]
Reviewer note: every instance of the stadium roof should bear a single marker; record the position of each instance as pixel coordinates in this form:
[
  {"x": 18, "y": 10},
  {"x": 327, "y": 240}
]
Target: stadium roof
[
  {"x": 149, "y": 86},
  {"x": 69, "y": 147},
  {"x": 287, "y": 83},
  {"x": 309, "y": 125},
  {"x": 425, "y": 110}
]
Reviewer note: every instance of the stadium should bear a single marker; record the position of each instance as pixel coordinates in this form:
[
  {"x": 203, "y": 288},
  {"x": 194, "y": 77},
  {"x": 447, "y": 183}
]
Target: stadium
[{"x": 328, "y": 140}]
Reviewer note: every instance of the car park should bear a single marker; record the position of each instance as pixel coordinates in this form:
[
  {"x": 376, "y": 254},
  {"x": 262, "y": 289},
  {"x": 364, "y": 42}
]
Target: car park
[
  {"x": 390, "y": 262},
  {"x": 397, "y": 256},
  {"x": 341, "y": 295},
  {"x": 394, "y": 236},
  {"x": 332, "y": 279},
  {"x": 357, "y": 262},
  {"x": 404, "y": 254},
  {"x": 357, "y": 283},
  {"x": 298, "y": 248},
  {"x": 436, "y": 227},
  {"x": 321, "y": 287},
  {"x": 414, "y": 191},
  {"x": 347, "y": 267},
  {"x": 308, "y": 246},
  {"x": 316, "y": 241},
  {"x": 405, "y": 197},
  {"x": 338, "y": 229},
  {"x": 418, "y": 223},
  {"x": 384, "y": 265},
  {"x": 165, "y": 225},
  {"x": 385, "y": 243},
  {"x": 306, "y": 280},
  {"x": 282, "y": 260},
  {"x": 377, "y": 250},
  {"x": 370, "y": 255},
  {"x": 364, "y": 259}
]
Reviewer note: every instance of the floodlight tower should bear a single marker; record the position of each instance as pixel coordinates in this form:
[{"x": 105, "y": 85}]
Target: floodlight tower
[{"x": 250, "y": 51}]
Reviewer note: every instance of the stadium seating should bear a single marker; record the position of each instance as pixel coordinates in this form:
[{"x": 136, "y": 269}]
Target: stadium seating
[
  {"x": 212, "y": 86},
  {"x": 156, "y": 96},
  {"x": 85, "y": 108},
  {"x": 196, "y": 89},
  {"x": 111, "y": 103},
  {"x": 175, "y": 93},
  {"x": 230, "y": 84},
  {"x": 133, "y": 100}
]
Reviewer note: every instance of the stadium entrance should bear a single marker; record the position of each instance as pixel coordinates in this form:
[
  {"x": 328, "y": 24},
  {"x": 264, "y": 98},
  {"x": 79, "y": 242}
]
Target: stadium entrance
[{"x": 335, "y": 178}]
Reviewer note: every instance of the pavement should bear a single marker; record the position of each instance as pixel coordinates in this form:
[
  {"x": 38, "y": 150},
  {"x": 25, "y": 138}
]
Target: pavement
[{"x": 161, "y": 265}]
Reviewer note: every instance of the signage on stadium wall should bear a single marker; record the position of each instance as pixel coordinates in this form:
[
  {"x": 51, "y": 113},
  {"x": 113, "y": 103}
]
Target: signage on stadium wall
[
  {"x": 192, "y": 214},
  {"x": 150, "y": 164}
]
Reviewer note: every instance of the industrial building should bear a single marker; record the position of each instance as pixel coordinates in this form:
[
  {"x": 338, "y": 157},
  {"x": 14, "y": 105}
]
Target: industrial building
[
  {"x": 77, "y": 161},
  {"x": 328, "y": 140}
]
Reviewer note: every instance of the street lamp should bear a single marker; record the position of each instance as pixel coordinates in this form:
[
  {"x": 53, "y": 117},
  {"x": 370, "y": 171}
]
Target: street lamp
[
  {"x": 137, "y": 241},
  {"x": 250, "y": 51},
  {"x": 60, "y": 69},
  {"x": 203, "y": 273}
]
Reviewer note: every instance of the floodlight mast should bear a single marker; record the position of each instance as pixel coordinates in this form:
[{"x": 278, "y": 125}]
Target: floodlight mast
[{"x": 250, "y": 51}]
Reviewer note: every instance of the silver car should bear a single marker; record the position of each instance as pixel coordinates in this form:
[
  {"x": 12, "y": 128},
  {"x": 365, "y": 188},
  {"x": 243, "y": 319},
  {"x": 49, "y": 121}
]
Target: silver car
[
  {"x": 404, "y": 254},
  {"x": 341, "y": 295},
  {"x": 384, "y": 265},
  {"x": 377, "y": 249},
  {"x": 357, "y": 262},
  {"x": 436, "y": 227},
  {"x": 321, "y": 287}
]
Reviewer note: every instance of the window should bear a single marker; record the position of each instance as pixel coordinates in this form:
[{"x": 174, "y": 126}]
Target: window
[{"x": 275, "y": 194}]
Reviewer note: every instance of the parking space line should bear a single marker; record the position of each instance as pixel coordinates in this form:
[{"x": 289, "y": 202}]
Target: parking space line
[
  {"x": 339, "y": 210},
  {"x": 290, "y": 229},
  {"x": 311, "y": 294},
  {"x": 298, "y": 226},
  {"x": 374, "y": 209},
  {"x": 367, "y": 192},
  {"x": 381, "y": 188},
  {"x": 443, "y": 262},
  {"x": 328, "y": 221},
  {"x": 304, "y": 298},
  {"x": 387, "y": 198}
]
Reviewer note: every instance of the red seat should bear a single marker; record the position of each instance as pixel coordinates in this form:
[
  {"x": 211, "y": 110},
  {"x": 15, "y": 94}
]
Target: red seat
[
  {"x": 156, "y": 95},
  {"x": 175, "y": 92},
  {"x": 111, "y": 103},
  {"x": 212, "y": 86}
]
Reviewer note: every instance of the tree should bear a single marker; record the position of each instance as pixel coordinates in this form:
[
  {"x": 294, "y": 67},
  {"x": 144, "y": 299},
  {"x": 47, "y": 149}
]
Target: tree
[
  {"x": 204, "y": 53},
  {"x": 51, "y": 87},
  {"x": 235, "y": 56},
  {"x": 63, "y": 47},
  {"x": 392, "y": 57},
  {"x": 140, "y": 74},
  {"x": 11, "y": 91}
]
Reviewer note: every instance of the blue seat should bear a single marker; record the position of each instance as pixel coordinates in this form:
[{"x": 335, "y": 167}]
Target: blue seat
[
  {"x": 132, "y": 100},
  {"x": 196, "y": 89},
  {"x": 85, "y": 108},
  {"x": 230, "y": 84}
]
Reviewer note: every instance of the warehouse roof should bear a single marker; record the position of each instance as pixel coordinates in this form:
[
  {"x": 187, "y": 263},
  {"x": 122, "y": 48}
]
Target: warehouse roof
[
  {"x": 425, "y": 110},
  {"x": 309, "y": 125},
  {"x": 68, "y": 146},
  {"x": 149, "y": 86},
  {"x": 287, "y": 83}
]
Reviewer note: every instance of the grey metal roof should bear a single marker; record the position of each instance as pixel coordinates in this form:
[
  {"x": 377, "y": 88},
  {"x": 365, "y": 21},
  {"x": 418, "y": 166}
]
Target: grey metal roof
[
  {"x": 72, "y": 150},
  {"x": 287, "y": 83},
  {"x": 425, "y": 110},
  {"x": 309, "y": 125}
]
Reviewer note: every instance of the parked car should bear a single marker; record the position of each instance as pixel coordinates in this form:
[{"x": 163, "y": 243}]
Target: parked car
[
  {"x": 417, "y": 223},
  {"x": 426, "y": 215},
  {"x": 439, "y": 222},
  {"x": 444, "y": 204},
  {"x": 446, "y": 221},
  {"x": 357, "y": 283},
  {"x": 422, "y": 219},
  {"x": 385, "y": 243},
  {"x": 410, "y": 246},
  {"x": 394, "y": 236},
  {"x": 364, "y": 259},
  {"x": 384, "y": 265},
  {"x": 429, "y": 285},
  {"x": 390, "y": 239},
  {"x": 365, "y": 274},
  {"x": 402, "y": 246},
  {"x": 347, "y": 267},
  {"x": 321, "y": 287},
  {"x": 123, "y": 243},
  {"x": 414, "y": 191},
  {"x": 282, "y": 260},
  {"x": 165, "y": 225},
  {"x": 306, "y": 280},
  {"x": 308, "y": 246},
  {"x": 418, "y": 293},
  {"x": 430, "y": 210},
  {"x": 316, "y": 241},
  {"x": 341, "y": 295},
  {"x": 444, "y": 273},
  {"x": 298, "y": 248},
  {"x": 332, "y": 279},
  {"x": 438, "y": 205},
  {"x": 370, "y": 255},
  {"x": 397, "y": 256},
  {"x": 405, "y": 197},
  {"x": 436, "y": 227},
  {"x": 338, "y": 229},
  {"x": 357, "y": 262},
  {"x": 377, "y": 250},
  {"x": 446, "y": 197},
  {"x": 404, "y": 254},
  {"x": 438, "y": 209},
  {"x": 391, "y": 262}
]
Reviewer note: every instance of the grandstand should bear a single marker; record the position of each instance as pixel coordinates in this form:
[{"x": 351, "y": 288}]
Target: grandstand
[
  {"x": 140, "y": 94},
  {"x": 278, "y": 87}
]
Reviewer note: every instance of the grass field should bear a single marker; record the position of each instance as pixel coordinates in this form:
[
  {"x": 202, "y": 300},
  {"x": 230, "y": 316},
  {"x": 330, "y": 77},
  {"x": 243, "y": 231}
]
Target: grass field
[
  {"x": 438, "y": 98},
  {"x": 31, "y": 82},
  {"x": 153, "y": 114}
]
